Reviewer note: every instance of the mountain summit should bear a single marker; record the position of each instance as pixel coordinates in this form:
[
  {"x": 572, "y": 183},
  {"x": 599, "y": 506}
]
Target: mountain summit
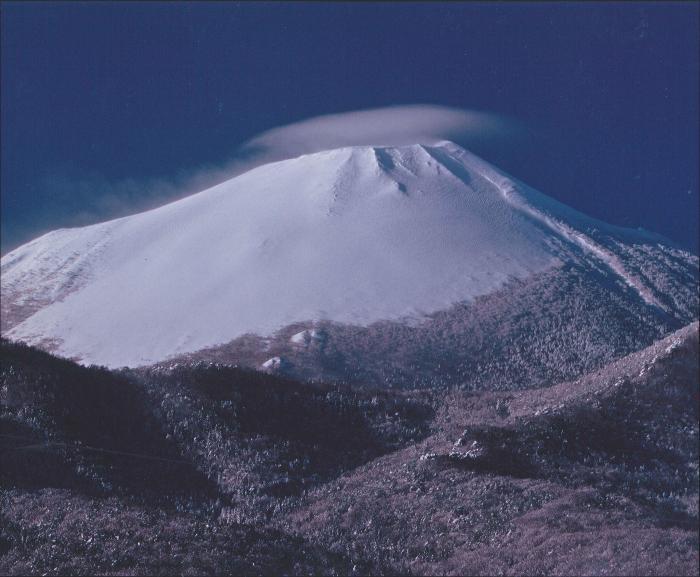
[{"x": 338, "y": 242}]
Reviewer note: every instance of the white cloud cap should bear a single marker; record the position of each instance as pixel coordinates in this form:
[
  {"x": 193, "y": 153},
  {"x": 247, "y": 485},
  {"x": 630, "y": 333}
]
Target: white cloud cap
[{"x": 391, "y": 126}]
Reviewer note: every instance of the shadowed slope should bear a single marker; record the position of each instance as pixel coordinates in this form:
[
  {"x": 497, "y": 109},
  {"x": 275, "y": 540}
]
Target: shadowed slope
[{"x": 592, "y": 477}]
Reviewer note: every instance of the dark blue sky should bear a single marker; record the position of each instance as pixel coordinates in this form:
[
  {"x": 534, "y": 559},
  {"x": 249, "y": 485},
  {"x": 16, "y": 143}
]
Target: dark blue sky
[{"x": 98, "y": 98}]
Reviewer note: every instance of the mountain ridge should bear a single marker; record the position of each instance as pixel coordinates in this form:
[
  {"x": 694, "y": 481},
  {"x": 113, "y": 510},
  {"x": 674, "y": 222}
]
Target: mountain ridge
[{"x": 171, "y": 469}]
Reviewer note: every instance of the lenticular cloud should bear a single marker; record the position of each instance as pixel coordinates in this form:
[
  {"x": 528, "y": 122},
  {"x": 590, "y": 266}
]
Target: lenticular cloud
[{"x": 392, "y": 126}]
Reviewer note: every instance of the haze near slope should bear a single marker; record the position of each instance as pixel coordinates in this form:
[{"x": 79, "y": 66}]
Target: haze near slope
[{"x": 352, "y": 235}]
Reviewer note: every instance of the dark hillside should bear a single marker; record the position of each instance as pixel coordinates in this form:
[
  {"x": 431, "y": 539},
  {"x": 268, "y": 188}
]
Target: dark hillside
[
  {"x": 213, "y": 469},
  {"x": 131, "y": 462}
]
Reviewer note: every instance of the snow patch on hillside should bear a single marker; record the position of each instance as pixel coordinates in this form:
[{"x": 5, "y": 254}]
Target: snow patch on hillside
[{"x": 308, "y": 336}]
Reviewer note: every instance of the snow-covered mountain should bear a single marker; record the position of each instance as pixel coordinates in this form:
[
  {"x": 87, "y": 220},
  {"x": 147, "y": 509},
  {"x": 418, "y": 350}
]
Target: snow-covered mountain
[{"x": 368, "y": 244}]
